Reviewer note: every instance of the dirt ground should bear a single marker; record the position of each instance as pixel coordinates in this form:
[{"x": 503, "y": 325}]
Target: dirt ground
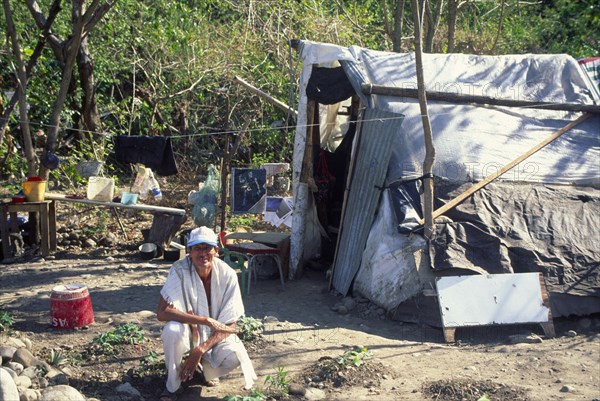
[
  {"x": 409, "y": 362},
  {"x": 303, "y": 335}
]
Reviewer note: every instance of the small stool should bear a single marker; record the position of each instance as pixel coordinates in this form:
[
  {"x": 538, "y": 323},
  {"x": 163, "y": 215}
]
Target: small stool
[
  {"x": 252, "y": 250},
  {"x": 47, "y": 222}
]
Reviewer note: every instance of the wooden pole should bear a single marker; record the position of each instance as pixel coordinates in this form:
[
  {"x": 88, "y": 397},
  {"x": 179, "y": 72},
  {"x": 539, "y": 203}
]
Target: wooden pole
[
  {"x": 454, "y": 202},
  {"x": 370, "y": 89},
  {"x": 429, "y": 148},
  {"x": 267, "y": 97},
  {"x": 225, "y": 162}
]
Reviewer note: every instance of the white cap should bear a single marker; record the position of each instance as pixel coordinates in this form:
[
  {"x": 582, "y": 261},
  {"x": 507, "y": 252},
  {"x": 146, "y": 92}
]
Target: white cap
[{"x": 202, "y": 235}]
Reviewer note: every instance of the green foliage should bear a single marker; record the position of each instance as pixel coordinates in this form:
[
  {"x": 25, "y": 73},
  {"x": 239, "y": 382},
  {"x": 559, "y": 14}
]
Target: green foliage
[
  {"x": 103, "y": 216},
  {"x": 279, "y": 382},
  {"x": 240, "y": 220},
  {"x": 57, "y": 358},
  {"x": 167, "y": 68},
  {"x": 255, "y": 396},
  {"x": 151, "y": 364},
  {"x": 355, "y": 357},
  {"x": 125, "y": 333},
  {"x": 6, "y": 321},
  {"x": 249, "y": 328}
]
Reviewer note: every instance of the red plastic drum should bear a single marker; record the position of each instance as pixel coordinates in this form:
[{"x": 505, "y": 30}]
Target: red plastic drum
[{"x": 71, "y": 306}]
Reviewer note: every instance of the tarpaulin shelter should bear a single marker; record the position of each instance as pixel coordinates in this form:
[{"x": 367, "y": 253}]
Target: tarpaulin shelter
[{"x": 358, "y": 118}]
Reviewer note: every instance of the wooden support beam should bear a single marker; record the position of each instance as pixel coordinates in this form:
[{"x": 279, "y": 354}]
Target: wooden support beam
[
  {"x": 370, "y": 89},
  {"x": 267, "y": 97},
  {"x": 476, "y": 187}
]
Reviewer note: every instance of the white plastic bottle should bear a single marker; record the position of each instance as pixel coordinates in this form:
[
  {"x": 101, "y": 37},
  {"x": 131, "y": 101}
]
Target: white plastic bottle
[{"x": 154, "y": 187}]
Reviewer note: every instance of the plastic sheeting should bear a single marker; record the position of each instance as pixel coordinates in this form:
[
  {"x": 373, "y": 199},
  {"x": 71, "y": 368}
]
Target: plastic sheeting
[
  {"x": 472, "y": 142},
  {"x": 390, "y": 262},
  {"x": 521, "y": 228}
]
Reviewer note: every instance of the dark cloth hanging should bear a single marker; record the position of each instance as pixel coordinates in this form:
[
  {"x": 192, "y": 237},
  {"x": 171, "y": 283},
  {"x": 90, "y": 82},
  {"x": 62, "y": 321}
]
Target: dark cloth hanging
[
  {"x": 329, "y": 85},
  {"x": 155, "y": 152}
]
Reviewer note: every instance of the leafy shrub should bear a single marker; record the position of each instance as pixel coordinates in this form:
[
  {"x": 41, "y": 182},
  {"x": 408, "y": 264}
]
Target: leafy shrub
[
  {"x": 249, "y": 327},
  {"x": 126, "y": 333},
  {"x": 6, "y": 321},
  {"x": 279, "y": 381}
]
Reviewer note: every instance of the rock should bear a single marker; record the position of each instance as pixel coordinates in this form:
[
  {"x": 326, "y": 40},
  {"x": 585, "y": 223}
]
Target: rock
[
  {"x": 11, "y": 372},
  {"x": 30, "y": 372},
  {"x": 27, "y": 343},
  {"x": 297, "y": 389},
  {"x": 571, "y": 333},
  {"x": 7, "y": 352},
  {"x": 342, "y": 310},
  {"x": 14, "y": 342},
  {"x": 127, "y": 388},
  {"x": 8, "y": 388},
  {"x": 23, "y": 381},
  {"x": 61, "y": 393},
  {"x": 567, "y": 389},
  {"x": 43, "y": 382},
  {"x": 25, "y": 358},
  {"x": 314, "y": 394},
  {"x": 349, "y": 303},
  {"x": 90, "y": 243},
  {"x": 55, "y": 376},
  {"x": 28, "y": 394},
  {"x": 525, "y": 338},
  {"x": 270, "y": 319},
  {"x": 15, "y": 367}
]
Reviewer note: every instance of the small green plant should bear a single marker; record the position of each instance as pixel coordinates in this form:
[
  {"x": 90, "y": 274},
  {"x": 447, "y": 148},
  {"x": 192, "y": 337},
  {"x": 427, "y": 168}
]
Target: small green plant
[
  {"x": 355, "y": 357},
  {"x": 151, "y": 364},
  {"x": 131, "y": 333},
  {"x": 126, "y": 333},
  {"x": 240, "y": 220},
  {"x": 6, "y": 321},
  {"x": 255, "y": 396},
  {"x": 249, "y": 328},
  {"x": 279, "y": 381},
  {"x": 57, "y": 358}
]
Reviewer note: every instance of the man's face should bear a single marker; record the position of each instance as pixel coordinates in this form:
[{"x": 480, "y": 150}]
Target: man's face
[{"x": 202, "y": 256}]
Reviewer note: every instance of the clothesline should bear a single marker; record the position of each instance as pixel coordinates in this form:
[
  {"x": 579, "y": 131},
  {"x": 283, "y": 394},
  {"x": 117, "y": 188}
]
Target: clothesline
[{"x": 260, "y": 129}]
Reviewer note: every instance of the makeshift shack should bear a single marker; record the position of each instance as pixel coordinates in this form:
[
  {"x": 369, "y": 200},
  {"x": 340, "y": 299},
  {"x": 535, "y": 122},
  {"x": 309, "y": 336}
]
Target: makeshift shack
[{"x": 357, "y": 173}]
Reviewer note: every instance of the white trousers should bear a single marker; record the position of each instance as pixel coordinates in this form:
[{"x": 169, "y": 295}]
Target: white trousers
[{"x": 176, "y": 343}]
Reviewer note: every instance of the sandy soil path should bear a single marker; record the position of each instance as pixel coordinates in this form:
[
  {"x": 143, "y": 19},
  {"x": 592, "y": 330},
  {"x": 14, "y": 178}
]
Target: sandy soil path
[{"x": 303, "y": 328}]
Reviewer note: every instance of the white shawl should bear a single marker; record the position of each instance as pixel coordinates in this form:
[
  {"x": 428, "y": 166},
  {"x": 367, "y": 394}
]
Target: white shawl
[{"x": 185, "y": 292}]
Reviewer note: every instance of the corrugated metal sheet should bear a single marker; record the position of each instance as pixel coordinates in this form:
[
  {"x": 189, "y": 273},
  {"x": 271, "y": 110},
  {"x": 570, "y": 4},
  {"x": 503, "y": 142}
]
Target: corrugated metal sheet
[{"x": 379, "y": 131}]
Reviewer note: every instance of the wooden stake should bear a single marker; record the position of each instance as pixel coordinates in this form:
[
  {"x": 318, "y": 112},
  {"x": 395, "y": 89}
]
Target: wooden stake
[
  {"x": 454, "y": 202},
  {"x": 429, "y": 148},
  {"x": 267, "y": 97},
  {"x": 459, "y": 98}
]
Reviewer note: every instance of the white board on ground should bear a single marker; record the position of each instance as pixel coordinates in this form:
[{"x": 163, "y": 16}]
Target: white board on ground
[{"x": 491, "y": 299}]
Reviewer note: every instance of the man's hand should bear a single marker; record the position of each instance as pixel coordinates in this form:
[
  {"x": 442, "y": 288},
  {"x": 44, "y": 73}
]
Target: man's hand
[
  {"x": 191, "y": 363},
  {"x": 215, "y": 325}
]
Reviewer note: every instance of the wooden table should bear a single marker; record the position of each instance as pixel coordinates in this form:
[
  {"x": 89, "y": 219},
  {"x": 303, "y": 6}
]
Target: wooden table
[
  {"x": 148, "y": 208},
  {"x": 165, "y": 224},
  {"x": 281, "y": 241},
  {"x": 46, "y": 213}
]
